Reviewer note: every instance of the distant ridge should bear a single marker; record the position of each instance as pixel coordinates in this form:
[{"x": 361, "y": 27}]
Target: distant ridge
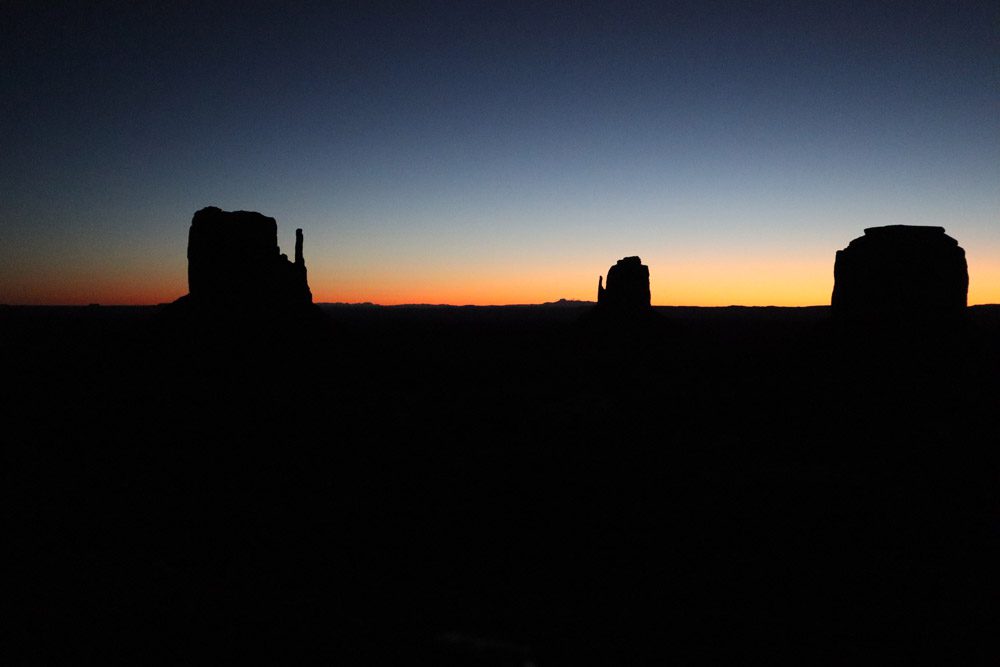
[
  {"x": 568, "y": 302},
  {"x": 561, "y": 303}
]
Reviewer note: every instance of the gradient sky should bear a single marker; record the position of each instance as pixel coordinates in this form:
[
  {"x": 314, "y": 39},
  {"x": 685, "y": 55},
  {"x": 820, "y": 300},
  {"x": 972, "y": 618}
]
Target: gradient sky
[{"x": 491, "y": 153}]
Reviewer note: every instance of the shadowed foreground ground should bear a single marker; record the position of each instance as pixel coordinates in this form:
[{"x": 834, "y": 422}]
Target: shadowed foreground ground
[{"x": 500, "y": 486}]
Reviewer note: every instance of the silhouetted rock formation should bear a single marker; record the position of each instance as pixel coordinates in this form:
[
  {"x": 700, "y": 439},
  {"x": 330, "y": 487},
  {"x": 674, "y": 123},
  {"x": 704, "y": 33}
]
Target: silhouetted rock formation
[
  {"x": 628, "y": 286},
  {"x": 900, "y": 272},
  {"x": 242, "y": 288},
  {"x": 234, "y": 261},
  {"x": 623, "y": 306}
]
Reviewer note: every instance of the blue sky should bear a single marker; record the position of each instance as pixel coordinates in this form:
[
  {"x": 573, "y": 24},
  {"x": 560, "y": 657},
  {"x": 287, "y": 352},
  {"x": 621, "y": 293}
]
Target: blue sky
[{"x": 475, "y": 152}]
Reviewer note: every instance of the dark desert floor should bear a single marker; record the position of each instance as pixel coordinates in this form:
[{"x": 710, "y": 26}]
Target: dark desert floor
[{"x": 501, "y": 486}]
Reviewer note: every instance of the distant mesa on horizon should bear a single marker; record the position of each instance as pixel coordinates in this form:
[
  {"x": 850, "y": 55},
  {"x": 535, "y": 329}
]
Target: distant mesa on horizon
[
  {"x": 568, "y": 303},
  {"x": 627, "y": 287},
  {"x": 900, "y": 272}
]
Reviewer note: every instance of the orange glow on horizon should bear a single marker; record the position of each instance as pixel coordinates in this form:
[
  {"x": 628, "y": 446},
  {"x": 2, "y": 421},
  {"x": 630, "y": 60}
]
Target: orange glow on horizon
[
  {"x": 788, "y": 283},
  {"x": 690, "y": 283},
  {"x": 105, "y": 291}
]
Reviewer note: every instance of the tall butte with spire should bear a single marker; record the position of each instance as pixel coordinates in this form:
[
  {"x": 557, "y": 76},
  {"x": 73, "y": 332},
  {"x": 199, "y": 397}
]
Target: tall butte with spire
[
  {"x": 234, "y": 262},
  {"x": 627, "y": 287}
]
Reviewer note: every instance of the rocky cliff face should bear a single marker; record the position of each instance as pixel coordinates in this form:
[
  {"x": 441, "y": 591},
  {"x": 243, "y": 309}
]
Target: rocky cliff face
[
  {"x": 628, "y": 286},
  {"x": 234, "y": 262},
  {"x": 900, "y": 271}
]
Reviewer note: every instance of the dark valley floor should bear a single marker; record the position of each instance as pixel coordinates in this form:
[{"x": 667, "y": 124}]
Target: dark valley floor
[{"x": 501, "y": 486}]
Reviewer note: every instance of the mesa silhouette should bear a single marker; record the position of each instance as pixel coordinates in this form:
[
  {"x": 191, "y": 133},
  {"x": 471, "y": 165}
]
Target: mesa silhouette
[
  {"x": 236, "y": 270},
  {"x": 623, "y": 305},
  {"x": 900, "y": 273},
  {"x": 628, "y": 286},
  {"x": 234, "y": 261}
]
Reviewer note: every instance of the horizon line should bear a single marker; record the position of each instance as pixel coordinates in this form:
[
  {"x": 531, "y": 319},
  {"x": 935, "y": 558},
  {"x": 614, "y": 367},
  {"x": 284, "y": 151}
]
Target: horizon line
[{"x": 565, "y": 302}]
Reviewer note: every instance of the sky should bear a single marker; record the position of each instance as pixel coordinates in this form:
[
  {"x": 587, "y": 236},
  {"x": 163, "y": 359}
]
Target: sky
[{"x": 474, "y": 152}]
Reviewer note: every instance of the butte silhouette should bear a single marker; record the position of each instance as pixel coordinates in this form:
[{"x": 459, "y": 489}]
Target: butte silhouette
[
  {"x": 900, "y": 273},
  {"x": 236, "y": 271},
  {"x": 628, "y": 286},
  {"x": 623, "y": 301}
]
